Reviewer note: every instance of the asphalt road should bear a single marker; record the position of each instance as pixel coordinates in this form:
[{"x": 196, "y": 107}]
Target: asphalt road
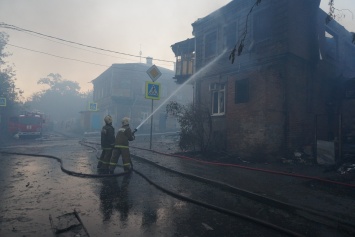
[{"x": 34, "y": 188}]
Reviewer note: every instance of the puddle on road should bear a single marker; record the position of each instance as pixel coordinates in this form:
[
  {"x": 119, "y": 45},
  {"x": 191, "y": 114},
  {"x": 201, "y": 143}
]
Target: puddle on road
[{"x": 32, "y": 188}]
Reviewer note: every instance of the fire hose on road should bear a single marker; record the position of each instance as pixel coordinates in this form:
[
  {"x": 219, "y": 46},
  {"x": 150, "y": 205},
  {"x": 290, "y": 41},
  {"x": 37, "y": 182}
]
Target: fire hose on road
[{"x": 171, "y": 193}]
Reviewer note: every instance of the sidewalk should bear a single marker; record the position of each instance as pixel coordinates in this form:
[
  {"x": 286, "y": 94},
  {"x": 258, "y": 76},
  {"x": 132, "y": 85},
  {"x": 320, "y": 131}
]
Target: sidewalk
[
  {"x": 343, "y": 174},
  {"x": 276, "y": 181}
]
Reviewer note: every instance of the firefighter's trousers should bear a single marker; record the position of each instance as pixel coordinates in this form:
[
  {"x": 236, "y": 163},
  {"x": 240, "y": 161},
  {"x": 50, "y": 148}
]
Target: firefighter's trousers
[
  {"x": 126, "y": 158},
  {"x": 105, "y": 157}
]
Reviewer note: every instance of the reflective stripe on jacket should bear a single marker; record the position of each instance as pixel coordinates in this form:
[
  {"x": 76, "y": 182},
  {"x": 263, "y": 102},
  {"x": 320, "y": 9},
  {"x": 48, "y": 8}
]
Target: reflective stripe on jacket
[{"x": 120, "y": 146}]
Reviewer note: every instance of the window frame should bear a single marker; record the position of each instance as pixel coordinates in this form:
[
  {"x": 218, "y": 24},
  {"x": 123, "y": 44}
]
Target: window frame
[
  {"x": 218, "y": 94},
  {"x": 208, "y": 54},
  {"x": 261, "y": 26},
  {"x": 332, "y": 51},
  {"x": 228, "y": 40},
  {"x": 242, "y": 91}
]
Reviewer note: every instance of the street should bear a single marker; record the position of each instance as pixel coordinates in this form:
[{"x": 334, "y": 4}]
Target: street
[{"x": 34, "y": 188}]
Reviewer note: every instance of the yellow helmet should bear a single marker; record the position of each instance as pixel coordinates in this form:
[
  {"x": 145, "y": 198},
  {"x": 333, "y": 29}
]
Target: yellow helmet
[
  {"x": 108, "y": 119},
  {"x": 125, "y": 121}
]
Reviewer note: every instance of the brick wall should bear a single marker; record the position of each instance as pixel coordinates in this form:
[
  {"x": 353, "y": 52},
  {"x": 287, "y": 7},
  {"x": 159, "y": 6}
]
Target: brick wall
[
  {"x": 256, "y": 127},
  {"x": 278, "y": 116},
  {"x": 299, "y": 92}
]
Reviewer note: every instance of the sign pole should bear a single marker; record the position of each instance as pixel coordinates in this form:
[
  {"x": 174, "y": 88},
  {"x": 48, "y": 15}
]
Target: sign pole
[
  {"x": 151, "y": 127},
  {"x": 152, "y": 92}
]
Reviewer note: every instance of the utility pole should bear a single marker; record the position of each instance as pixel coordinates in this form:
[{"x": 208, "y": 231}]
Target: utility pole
[{"x": 140, "y": 53}]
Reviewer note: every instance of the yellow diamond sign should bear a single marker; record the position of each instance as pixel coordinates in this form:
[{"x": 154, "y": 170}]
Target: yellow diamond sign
[{"x": 154, "y": 73}]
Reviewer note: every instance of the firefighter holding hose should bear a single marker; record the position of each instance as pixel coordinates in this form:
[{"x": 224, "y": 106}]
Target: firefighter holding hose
[
  {"x": 107, "y": 144},
  {"x": 123, "y": 137}
]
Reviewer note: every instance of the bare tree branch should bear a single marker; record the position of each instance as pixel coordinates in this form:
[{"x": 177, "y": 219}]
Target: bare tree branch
[{"x": 241, "y": 44}]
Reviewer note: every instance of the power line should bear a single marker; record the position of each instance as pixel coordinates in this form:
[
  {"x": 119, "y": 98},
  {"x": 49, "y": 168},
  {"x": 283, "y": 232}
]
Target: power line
[
  {"x": 77, "y": 60},
  {"x": 113, "y": 56},
  {"x": 77, "y": 47},
  {"x": 53, "y": 55},
  {"x": 13, "y": 27}
]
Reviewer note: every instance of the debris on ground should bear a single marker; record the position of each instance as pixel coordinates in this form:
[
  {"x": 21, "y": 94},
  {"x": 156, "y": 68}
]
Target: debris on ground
[
  {"x": 347, "y": 168},
  {"x": 207, "y": 227},
  {"x": 68, "y": 224},
  {"x": 298, "y": 157}
]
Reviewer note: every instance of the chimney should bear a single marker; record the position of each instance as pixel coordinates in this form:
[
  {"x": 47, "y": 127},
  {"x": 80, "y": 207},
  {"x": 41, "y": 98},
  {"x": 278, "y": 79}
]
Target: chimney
[{"x": 149, "y": 60}]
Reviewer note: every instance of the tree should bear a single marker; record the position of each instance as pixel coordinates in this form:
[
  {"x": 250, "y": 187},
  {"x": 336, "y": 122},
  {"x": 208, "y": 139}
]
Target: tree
[
  {"x": 7, "y": 74},
  {"x": 62, "y": 100},
  {"x": 195, "y": 125},
  {"x": 7, "y": 86},
  {"x": 57, "y": 84}
]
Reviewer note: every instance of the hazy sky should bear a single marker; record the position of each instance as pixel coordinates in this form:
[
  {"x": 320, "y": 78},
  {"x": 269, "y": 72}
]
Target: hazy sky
[{"x": 117, "y": 25}]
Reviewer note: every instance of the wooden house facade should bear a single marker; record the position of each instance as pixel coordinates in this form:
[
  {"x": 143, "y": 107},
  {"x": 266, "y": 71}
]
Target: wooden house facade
[{"x": 290, "y": 70}]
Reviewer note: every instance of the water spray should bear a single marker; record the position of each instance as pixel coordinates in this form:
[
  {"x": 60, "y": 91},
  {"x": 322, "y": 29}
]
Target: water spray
[{"x": 182, "y": 85}]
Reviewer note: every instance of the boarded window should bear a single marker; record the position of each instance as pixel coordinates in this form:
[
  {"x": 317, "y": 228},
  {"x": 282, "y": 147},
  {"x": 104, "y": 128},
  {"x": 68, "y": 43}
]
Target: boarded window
[
  {"x": 211, "y": 44},
  {"x": 230, "y": 35},
  {"x": 331, "y": 44},
  {"x": 242, "y": 91},
  {"x": 262, "y": 27}
]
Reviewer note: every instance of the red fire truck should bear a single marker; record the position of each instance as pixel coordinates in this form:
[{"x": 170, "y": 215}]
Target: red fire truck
[{"x": 27, "y": 124}]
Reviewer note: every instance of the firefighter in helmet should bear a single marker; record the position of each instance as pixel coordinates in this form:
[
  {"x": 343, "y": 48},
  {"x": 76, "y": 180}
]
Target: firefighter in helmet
[
  {"x": 107, "y": 144},
  {"x": 124, "y": 135}
]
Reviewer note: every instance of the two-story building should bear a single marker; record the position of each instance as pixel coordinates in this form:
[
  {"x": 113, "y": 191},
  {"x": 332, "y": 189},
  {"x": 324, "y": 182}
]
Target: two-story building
[
  {"x": 120, "y": 91},
  {"x": 283, "y": 92}
]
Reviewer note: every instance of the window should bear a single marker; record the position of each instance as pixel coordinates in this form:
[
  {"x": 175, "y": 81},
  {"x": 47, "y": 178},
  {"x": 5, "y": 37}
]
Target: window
[
  {"x": 242, "y": 91},
  {"x": 331, "y": 44},
  {"x": 178, "y": 66},
  {"x": 211, "y": 44},
  {"x": 262, "y": 26},
  {"x": 230, "y": 35},
  {"x": 30, "y": 120},
  {"x": 144, "y": 116},
  {"x": 184, "y": 65},
  {"x": 218, "y": 98}
]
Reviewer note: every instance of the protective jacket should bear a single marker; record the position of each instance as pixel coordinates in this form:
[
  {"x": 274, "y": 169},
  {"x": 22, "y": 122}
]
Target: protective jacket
[
  {"x": 124, "y": 135},
  {"x": 107, "y": 136}
]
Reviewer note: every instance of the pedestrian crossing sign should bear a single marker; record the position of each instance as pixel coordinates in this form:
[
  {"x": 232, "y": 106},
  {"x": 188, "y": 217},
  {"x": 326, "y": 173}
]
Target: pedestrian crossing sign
[
  {"x": 152, "y": 90},
  {"x": 2, "y": 101},
  {"x": 92, "y": 106}
]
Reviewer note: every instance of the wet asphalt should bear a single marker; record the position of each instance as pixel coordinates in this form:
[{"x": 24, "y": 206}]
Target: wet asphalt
[{"x": 33, "y": 188}]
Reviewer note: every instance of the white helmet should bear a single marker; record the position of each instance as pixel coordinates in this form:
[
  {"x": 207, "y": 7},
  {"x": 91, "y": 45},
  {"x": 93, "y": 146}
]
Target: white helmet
[
  {"x": 125, "y": 121},
  {"x": 108, "y": 119}
]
